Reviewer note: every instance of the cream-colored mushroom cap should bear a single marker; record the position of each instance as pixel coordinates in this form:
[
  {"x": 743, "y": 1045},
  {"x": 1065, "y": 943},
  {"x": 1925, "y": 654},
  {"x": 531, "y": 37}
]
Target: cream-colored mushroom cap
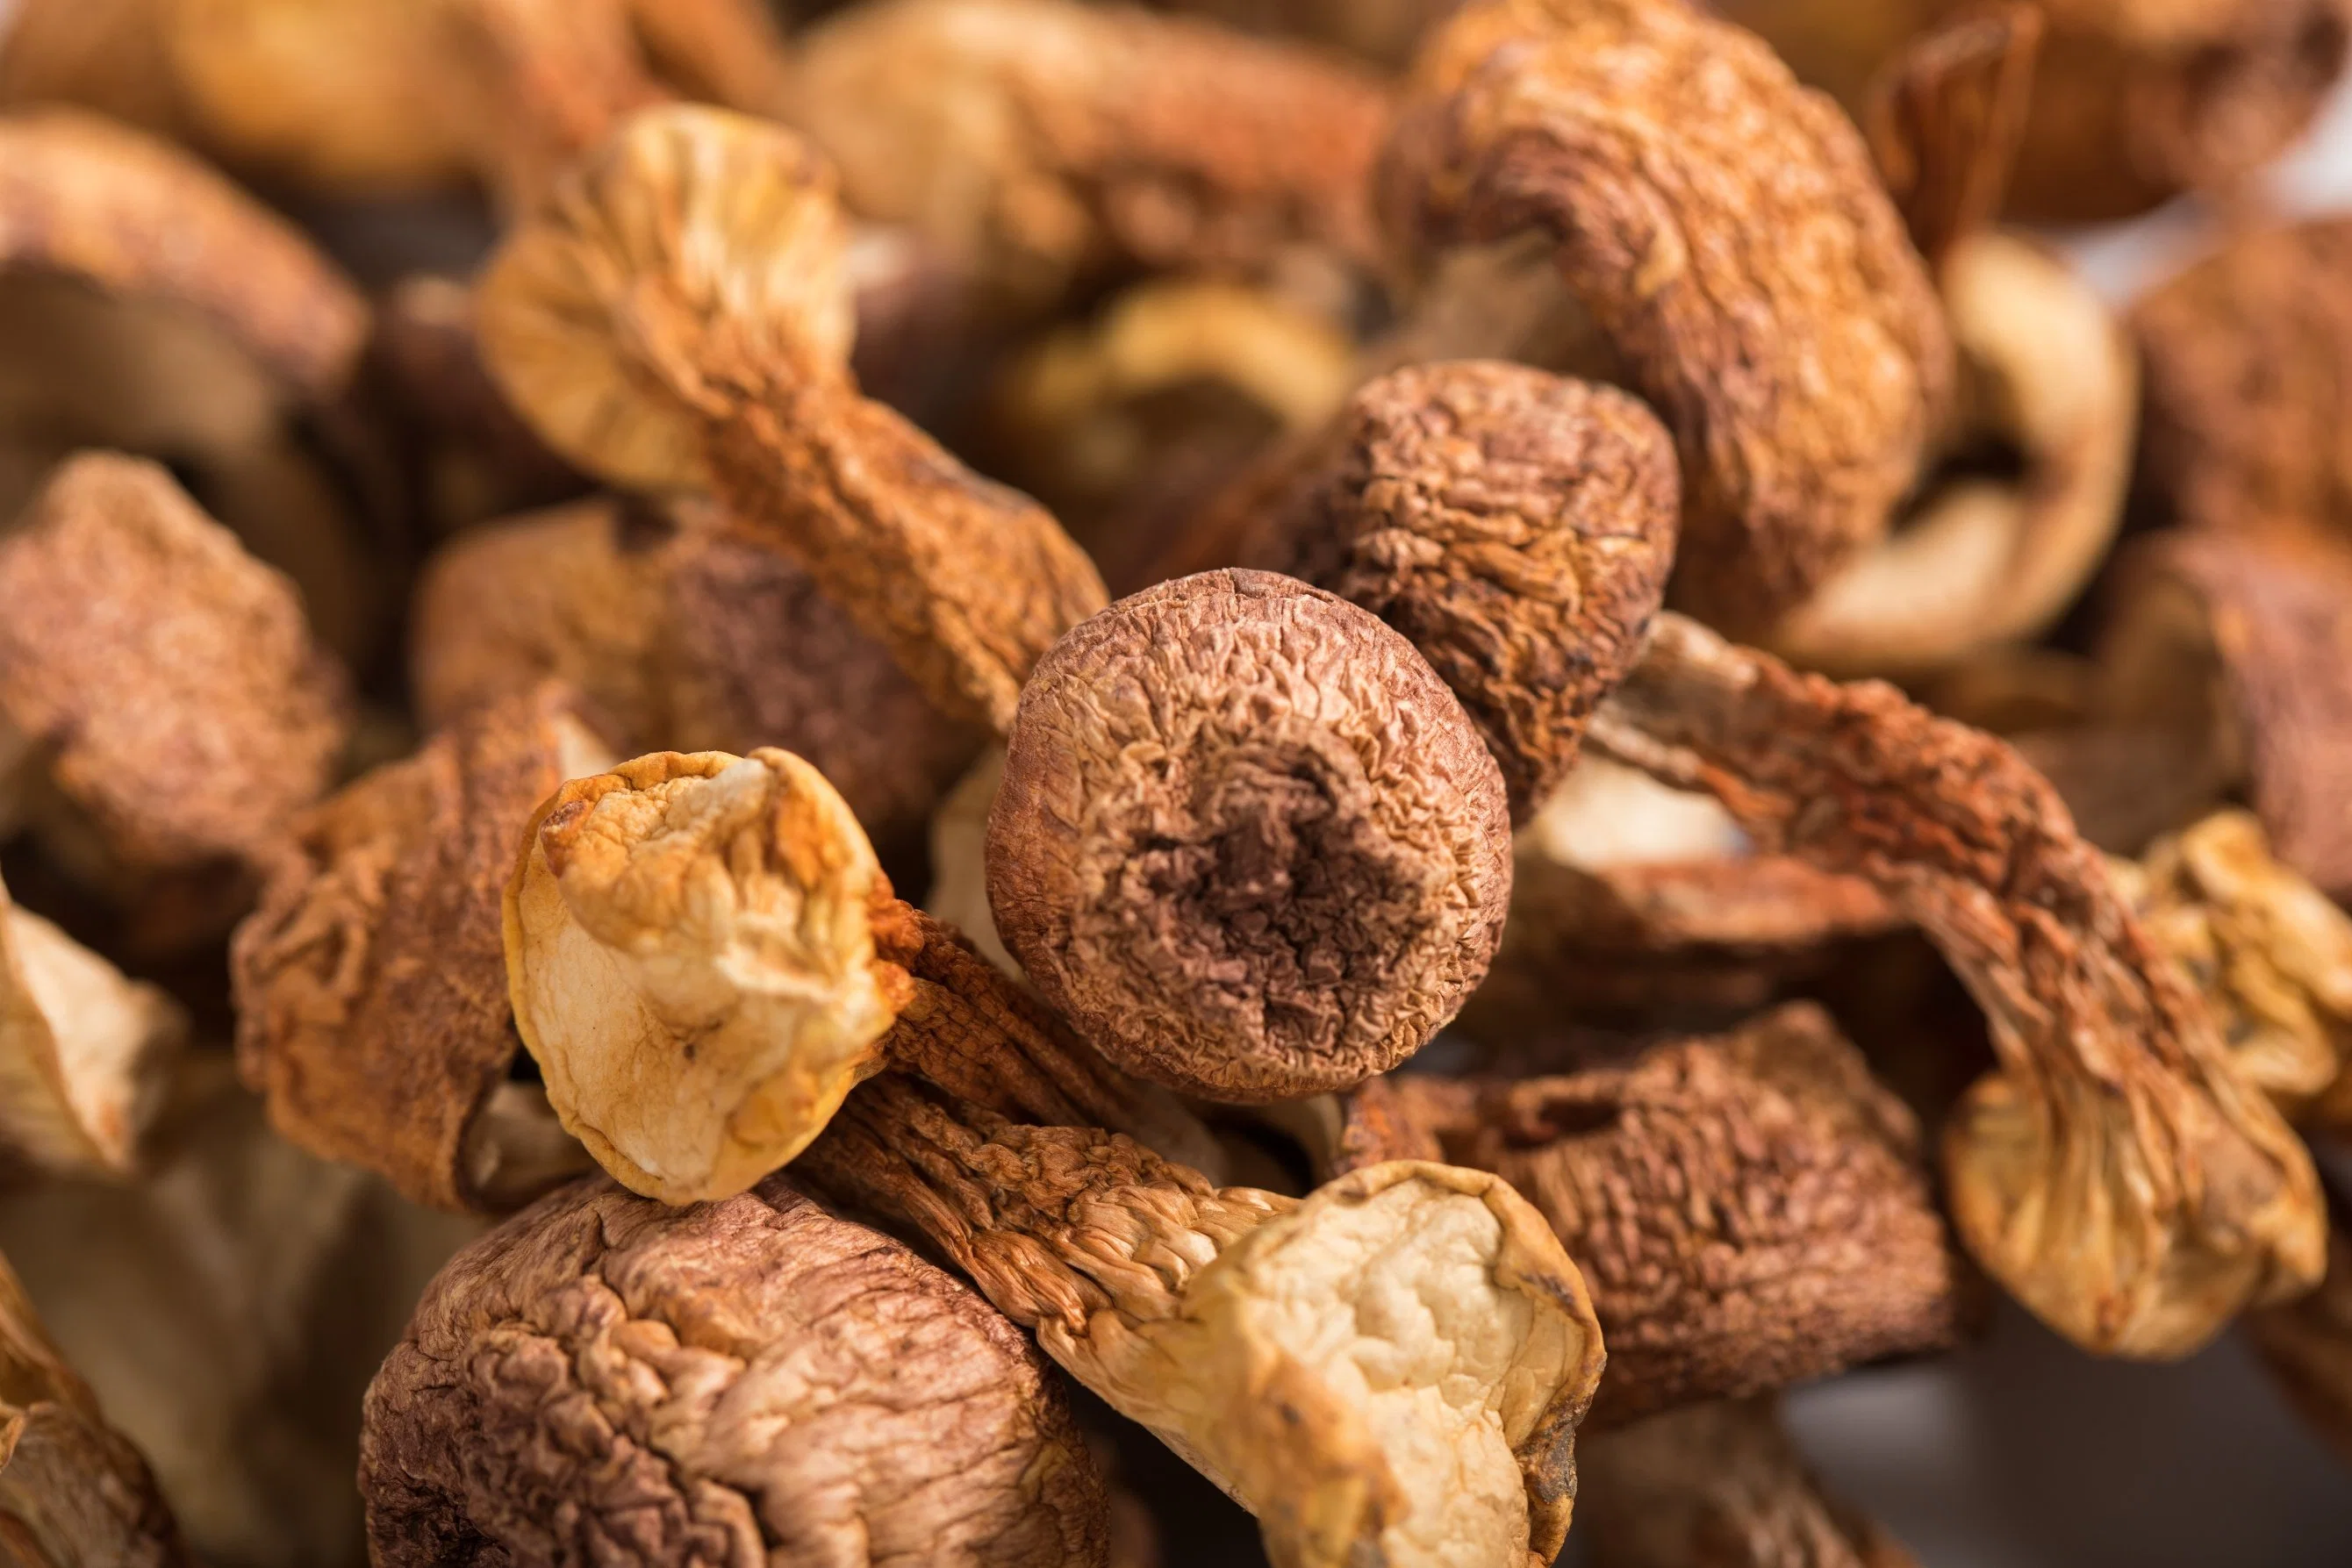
[{"x": 691, "y": 961}]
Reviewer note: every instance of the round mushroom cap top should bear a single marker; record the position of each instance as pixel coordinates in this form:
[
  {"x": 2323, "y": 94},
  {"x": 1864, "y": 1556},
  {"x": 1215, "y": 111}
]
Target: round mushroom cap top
[{"x": 1247, "y": 841}]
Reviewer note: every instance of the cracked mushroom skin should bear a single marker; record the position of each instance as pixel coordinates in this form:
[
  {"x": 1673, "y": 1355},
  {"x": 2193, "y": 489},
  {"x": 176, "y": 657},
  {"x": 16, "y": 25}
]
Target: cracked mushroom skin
[
  {"x": 370, "y": 982},
  {"x": 1247, "y": 843},
  {"x": 1391, "y": 1370},
  {"x": 2115, "y": 1172},
  {"x": 1667, "y": 158},
  {"x": 1049, "y": 143},
  {"x": 752, "y": 1380},
  {"x": 163, "y": 681},
  {"x": 74, "y": 1492},
  {"x": 675, "y": 318},
  {"x": 1750, "y": 1210},
  {"x": 1517, "y": 527},
  {"x": 691, "y": 957}
]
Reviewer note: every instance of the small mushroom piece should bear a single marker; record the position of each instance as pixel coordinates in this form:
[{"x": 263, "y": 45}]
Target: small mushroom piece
[
  {"x": 2247, "y": 390},
  {"x": 1390, "y": 1370},
  {"x": 675, "y": 318},
  {"x": 1517, "y": 527},
  {"x": 752, "y": 1380},
  {"x": 2233, "y": 647},
  {"x": 1721, "y": 1484},
  {"x": 1247, "y": 843},
  {"x": 73, "y": 1491},
  {"x": 2268, "y": 949},
  {"x": 160, "y": 681},
  {"x": 1666, "y": 156},
  {"x": 2307, "y": 1343},
  {"x": 1945, "y": 115},
  {"x": 1048, "y": 142},
  {"x": 370, "y": 982},
  {"x": 1986, "y": 556},
  {"x": 1750, "y": 1210},
  {"x": 85, "y": 1051},
  {"x": 691, "y": 959},
  {"x": 2115, "y": 1173}
]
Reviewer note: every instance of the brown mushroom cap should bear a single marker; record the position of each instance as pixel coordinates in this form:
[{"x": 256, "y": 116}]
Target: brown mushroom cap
[
  {"x": 166, "y": 679},
  {"x": 371, "y": 983},
  {"x": 1048, "y": 141},
  {"x": 691, "y": 959},
  {"x": 749, "y": 1380},
  {"x": 1669, "y": 157},
  {"x": 1750, "y": 1210},
  {"x": 1247, "y": 841},
  {"x": 1517, "y": 527}
]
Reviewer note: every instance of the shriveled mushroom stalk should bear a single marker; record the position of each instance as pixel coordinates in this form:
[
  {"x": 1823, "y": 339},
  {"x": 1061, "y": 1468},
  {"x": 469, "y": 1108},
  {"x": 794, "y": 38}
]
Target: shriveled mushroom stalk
[
  {"x": 370, "y": 981},
  {"x": 73, "y": 1491},
  {"x": 1750, "y": 1210},
  {"x": 751, "y": 1380},
  {"x": 1664, "y": 155},
  {"x": 675, "y": 318},
  {"x": 1390, "y": 1370},
  {"x": 2116, "y": 1173}
]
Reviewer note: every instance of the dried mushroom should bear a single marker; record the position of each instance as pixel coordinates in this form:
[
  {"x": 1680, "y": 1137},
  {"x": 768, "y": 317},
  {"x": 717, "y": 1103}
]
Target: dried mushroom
[
  {"x": 85, "y": 1051},
  {"x": 2002, "y": 540},
  {"x": 2115, "y": 1172},
  {"x": 2247, "y": 387},
  {"x": 1047, "y": 142},
  {"x": 691, "y": 638},
  {"x": 752, "y": 1380},
  {"x": 1380, "y": 31},
  {"x": 1247, "y": 841},
  {"x": 2230, "y": 649},
  {"x": 1668, "y": 157},
  {"x": 692, "y": 963},
  {"x": 164, "y": 705},
  {"x": 2307, "y": 1344},
  {"x": 1750, "y": 1210},
  {"x": 1719, "y": 1484},
  {"x": 370, "y": 982},
  {"x": 73, "y": 1491},
  {"x": 2269, "y": 951},
  {"x": 1391, "y": 1371},
  {"x": 1945, "y": 116},
  {"x": 1517, "y": 527},
  {"x": 675, "y": 318}
]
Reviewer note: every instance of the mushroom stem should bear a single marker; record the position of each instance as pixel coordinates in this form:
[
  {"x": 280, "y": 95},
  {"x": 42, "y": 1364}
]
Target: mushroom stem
[
  {"x": 1243, "y": 1327},
  {"x": 2116, "y": 1173}
]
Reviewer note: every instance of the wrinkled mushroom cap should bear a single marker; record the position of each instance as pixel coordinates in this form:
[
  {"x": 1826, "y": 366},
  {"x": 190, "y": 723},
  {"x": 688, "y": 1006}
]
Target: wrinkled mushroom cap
[
  {"x": 691, "y": 954},
  {"x": 689, "y": 221},
  {"x": 1247, "y": 841},
  {"x": 750, "y": 1380}
]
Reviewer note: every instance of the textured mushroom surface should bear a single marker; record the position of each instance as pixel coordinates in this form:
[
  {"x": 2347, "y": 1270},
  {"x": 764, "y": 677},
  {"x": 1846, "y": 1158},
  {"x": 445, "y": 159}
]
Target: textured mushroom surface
[
  {"x": 165, "y": 679},
  {"x": 85, "y": 1051},
  {"x": 691, "y": 959},
  {"x": 2248, "y": 386},
  {"x": 1515, "y": 527},
  {"x": 1048, "y": 141},
  {"x": 752, "y": 1380},
  {"x": 677, "y": 317},
  {"x": 2115, "y": 1172},
  {"x": 1720, "y": 1485},
  {"x": 1750, "y": 1210},
  {"x": 73, "y": 1491},
  {"x": 1247, "y": 841},
  {"x": 1391, "y": 1370},
  {"x": 372, "y": 982},
  {"x": 1669, "y": 156}
]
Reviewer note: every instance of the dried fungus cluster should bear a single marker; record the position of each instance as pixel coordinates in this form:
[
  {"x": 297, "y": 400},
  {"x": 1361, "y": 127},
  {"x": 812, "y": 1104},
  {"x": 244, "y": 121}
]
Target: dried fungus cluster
[{"x": 1435, "y": 739}]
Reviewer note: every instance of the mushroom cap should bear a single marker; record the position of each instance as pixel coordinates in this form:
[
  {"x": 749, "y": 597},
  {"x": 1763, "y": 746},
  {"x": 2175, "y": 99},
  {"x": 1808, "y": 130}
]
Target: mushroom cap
[
  {"x": 687, "y": 223},
  {"x": 371, "y": 980},
  {"x": 691, "y": 954},
  {"x": 751, "y": 1379},
  {"x": 167, "y": 677},
  {"x": 1247, "y": 841}
]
